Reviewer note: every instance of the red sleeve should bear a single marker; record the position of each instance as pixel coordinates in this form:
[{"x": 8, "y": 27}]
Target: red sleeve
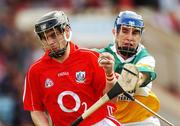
[{"x": 32, "y": 95}]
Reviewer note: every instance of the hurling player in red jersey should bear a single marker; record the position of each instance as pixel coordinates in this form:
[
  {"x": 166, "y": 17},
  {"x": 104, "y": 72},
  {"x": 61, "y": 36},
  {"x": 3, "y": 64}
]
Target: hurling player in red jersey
[{"x": 67, "y": 80}]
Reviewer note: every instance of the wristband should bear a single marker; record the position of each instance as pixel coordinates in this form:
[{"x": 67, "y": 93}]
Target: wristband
[{"x": 110, "y": 77}]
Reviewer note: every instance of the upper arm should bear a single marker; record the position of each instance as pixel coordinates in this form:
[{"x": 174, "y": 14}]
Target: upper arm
[
  {"x": 147, "y": 67},
  {"x": 32, "y": 96},
  {"x": 147, "y": 61}
]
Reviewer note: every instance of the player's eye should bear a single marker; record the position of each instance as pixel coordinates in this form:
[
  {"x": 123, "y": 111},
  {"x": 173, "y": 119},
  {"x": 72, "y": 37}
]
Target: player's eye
[
  {"x": 125, "y": 30},
  {"x": 53, "y": 35},
  {"x": 41, "y": 36},
  {"x": 136, "y": 32}
]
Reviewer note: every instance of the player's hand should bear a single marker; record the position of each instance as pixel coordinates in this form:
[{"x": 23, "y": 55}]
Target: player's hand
[{"x": 106, "y": 60}]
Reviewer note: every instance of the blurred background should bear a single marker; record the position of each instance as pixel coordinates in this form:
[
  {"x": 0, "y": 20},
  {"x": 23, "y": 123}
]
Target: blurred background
[{"x": 91, "y": 22}]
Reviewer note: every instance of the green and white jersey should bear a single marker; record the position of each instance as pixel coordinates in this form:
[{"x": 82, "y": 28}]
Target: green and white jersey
[
  {"x": 142, "y": 59},
  {"x": 127, "y": 110}
]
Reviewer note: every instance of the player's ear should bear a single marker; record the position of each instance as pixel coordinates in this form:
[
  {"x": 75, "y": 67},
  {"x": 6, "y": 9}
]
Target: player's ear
[
  {"x": 114, "y": 33},
  {"x": 67, "y": 29}
]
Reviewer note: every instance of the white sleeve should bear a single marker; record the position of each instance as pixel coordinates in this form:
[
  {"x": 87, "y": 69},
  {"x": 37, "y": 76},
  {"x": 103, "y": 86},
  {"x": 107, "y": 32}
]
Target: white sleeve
[
  {"x": 143, "y": 91},
  {"x": 148, "y": 60}
]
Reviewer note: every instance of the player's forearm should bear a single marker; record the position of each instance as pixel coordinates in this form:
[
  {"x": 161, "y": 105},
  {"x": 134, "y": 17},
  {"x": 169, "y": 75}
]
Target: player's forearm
[
  {"x": 39, "y": 118},
  {"x": 110, "y": 81}
]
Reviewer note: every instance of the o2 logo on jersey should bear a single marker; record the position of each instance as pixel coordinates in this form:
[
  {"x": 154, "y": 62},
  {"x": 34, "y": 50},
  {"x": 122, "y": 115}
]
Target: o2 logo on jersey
[
  {"x": 76, "y": 99},
  {"x": 80, "y": 76}
]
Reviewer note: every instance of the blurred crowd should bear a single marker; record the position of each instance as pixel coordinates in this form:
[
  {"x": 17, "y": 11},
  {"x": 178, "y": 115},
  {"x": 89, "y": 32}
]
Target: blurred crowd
[{"x": 18, "y": 49}]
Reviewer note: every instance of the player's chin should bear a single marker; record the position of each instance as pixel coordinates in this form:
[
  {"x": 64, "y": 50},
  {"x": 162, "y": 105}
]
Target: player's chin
[
  {"x": 55, "y": 49},
  {"x": 128, "y": 46}
]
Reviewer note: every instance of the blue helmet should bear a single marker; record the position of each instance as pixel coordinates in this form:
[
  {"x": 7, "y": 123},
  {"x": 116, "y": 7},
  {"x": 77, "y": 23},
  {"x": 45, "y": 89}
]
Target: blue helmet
[{"x": 129, "y": 18}]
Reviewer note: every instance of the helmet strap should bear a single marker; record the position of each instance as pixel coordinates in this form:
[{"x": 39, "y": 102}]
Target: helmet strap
[
  {"x": 125, "y": 51},
  {"x": 69, "y": 38},
  {"x": 58, "y": 53}
]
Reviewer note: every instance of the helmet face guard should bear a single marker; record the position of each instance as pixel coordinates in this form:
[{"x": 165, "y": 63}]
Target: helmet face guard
[
  {"x": 52, "y": 21},
  {"x": 129, "y": 19},
  {"x": 126, "y": 51}
]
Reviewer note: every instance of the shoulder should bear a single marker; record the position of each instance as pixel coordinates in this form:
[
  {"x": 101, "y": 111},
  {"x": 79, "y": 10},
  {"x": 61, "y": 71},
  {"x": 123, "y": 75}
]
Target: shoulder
[
  {"x": 82, "y": 51},
  {"x": 37, "y": 65},
  {"x": 142, "y": 52},
  {"x": 143, "y": 49},
  {"x": 87, "y": 56},
  {"x": 88, "y": 52},
  {"x": 34, "y": 68}
]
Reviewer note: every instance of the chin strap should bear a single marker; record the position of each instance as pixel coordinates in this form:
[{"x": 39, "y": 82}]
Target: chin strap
[
  {"x": 125, "y": 51},
  {"x": 59, "y": 53}
]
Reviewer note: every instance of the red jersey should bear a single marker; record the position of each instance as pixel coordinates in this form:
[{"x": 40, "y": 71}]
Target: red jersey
[{"x": 66, "y": 89}]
